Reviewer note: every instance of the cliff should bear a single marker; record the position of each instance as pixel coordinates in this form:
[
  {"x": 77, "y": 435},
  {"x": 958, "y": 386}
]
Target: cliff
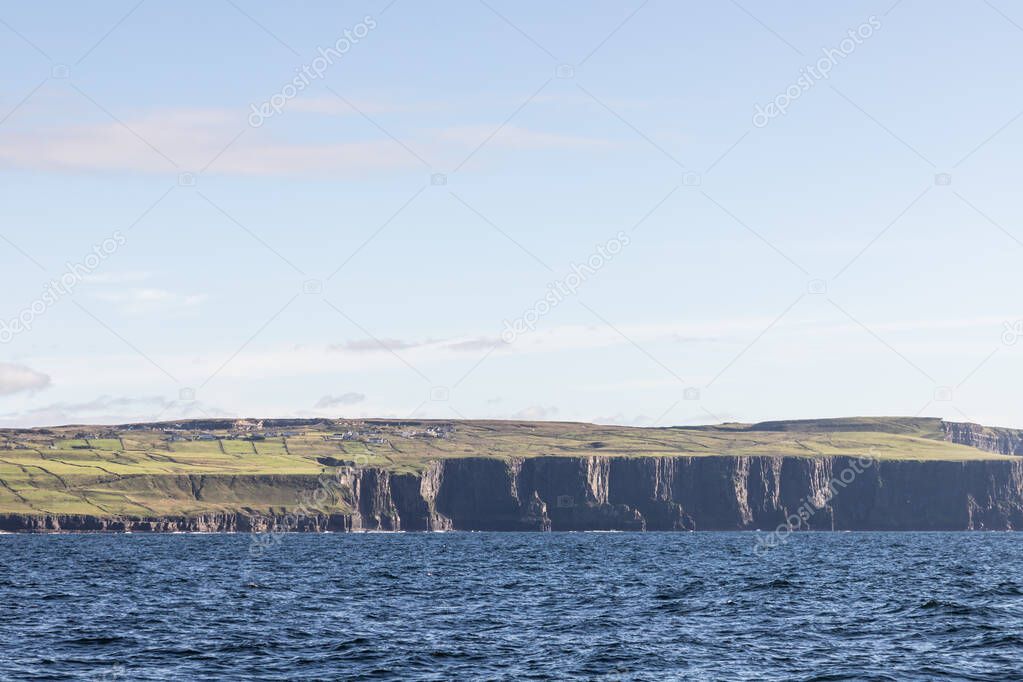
[
  {"x": 987, "y": 438},
  {"x": 616, "y": 493}
]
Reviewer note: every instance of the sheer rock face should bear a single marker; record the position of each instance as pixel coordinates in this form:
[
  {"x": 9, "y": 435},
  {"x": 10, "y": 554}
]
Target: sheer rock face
[
  {"x": 616, "y": 493},
  {"x": 988, "y": 438}
]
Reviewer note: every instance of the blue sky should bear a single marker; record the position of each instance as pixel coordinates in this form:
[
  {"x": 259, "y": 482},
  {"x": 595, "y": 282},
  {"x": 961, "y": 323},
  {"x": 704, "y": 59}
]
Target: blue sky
[{"x": 360, "y": 251}]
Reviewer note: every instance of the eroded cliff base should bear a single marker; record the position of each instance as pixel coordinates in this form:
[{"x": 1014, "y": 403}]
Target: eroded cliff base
[{"x": 664, "y": 493}]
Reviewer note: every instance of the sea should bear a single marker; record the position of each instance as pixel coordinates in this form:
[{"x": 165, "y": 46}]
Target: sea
[{"x": 512, "y": 606}]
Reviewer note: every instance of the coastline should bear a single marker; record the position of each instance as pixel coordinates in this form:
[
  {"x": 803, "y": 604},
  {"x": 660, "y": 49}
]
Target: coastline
[{"x": 601, "y": 493}]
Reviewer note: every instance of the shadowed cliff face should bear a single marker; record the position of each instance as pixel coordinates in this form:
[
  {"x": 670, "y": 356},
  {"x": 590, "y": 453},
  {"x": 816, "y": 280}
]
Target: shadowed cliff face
[
  {"x": 643, "y": 493},
  {"x": 988, "y": 438},
  {"x": 706, "y": 493}
]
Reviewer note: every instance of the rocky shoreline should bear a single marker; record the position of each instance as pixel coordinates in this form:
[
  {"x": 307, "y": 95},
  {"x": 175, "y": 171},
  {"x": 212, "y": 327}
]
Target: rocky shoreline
[{"x": 674, "y": 493}]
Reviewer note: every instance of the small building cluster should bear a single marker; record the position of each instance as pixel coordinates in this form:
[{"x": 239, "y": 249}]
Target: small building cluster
[
  {"x": 432, "y": 431},
  {"x": 353, "y": 435},
  {"x": 347, "y": 435}
]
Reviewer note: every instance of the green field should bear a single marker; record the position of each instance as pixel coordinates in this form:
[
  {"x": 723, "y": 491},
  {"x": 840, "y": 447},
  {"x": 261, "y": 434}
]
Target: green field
[{"x": 158, "y": 469}]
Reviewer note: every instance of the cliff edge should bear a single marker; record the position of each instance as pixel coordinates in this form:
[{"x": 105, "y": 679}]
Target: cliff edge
[{"x": 617, "y": 493}]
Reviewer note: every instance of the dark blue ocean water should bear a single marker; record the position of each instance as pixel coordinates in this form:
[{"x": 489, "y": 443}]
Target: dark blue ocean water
[{"x": 594, "y": 606}]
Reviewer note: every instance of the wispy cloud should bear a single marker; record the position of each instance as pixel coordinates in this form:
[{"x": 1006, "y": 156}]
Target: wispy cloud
[
  {"x": 192, "y": 139},
  {"x": 18, "y": 379},
  {"x": 117, "y": 277},
  {"x": 222, "y": 141},
  {"x": 536, "y": 413},
  {"x": 334, "y": 106},
  {"x": 373, "y": 345},
  {"x": 147, "y": 300},
  {"x": 478, "y": 344},
  {"x": 516, "y": 137},
  {"x": 366, "y": 355},
  {"x": 387, "y": 345},
  {"x": 108, "y": 409},
  {"x": 620, "y": 419},
  {"x": 350, "y": 398}
]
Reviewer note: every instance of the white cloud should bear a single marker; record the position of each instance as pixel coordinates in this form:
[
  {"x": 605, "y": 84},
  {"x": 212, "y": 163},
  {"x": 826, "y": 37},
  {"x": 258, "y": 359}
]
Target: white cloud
[
  {"x": 144, "y": 300},
  {"x": 350, "y": 398},
  {"x": 222, "y": 139},
  {"x": 333, "y": 105},
  {"x": 191, "y": 138},
  {"x": 116, "y": 277},
  {"x": 621, "y": 420},
  {"x": 282, "y": 158},
  {"x": 536, "y": 413},
  {"x": 18, "y": 378},
  {"x": 482, "y": 343},
  {"x": 374, "y": 345},
  {"x": 458, "y": 345},
  {"x": 107, "y": 409},
  {"x": 515, "y": 137},
  {"x": 366, "y": 355}
]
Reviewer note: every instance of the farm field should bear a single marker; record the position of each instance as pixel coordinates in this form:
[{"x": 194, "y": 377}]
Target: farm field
[{"x": 216, "y": 465}]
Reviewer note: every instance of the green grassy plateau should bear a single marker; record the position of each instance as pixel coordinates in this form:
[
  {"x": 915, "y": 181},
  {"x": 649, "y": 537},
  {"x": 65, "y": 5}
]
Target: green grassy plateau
[{"x": 198, "y": 466}]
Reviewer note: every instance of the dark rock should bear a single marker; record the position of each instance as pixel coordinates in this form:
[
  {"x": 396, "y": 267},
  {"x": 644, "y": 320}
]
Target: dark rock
[{"x": 617, "y": 493}]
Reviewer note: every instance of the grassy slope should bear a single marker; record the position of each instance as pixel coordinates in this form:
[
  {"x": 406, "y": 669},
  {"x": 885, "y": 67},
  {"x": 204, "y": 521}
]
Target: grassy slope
[{"x": 142, "y": 474}]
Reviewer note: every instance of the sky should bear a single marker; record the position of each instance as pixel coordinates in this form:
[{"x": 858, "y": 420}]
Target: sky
[{"x": 644, "y": 213}]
